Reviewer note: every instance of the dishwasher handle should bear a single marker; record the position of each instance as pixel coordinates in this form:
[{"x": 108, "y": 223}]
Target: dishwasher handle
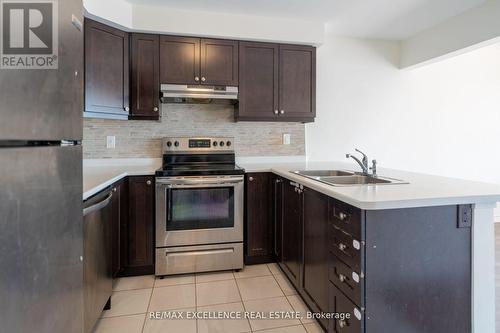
[{"x": 98, "y": 206}]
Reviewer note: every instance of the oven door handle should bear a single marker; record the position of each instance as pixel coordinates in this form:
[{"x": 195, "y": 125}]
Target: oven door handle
[
  {"x": 201, "y": 182},
  {"x": 181, "y": 186},
  {"x": 169, "y": 204}
]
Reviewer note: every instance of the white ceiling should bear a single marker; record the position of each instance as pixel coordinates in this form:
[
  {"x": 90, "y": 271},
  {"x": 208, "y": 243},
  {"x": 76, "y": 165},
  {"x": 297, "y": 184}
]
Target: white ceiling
[{"x": 385, "y": 19}]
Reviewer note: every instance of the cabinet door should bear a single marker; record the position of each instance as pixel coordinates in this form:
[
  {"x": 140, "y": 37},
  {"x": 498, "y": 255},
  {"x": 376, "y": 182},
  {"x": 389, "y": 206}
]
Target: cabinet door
[
  {"x": 145, "y": 76},
  {"x": 292, "y": 233},
  {"x": 179, "y": 60},
  {"x": 258, "y": 218},
  {"x": 140, "y": 247},
  {"x": 258, "y": 81},
  {"x": 315, "y": 281},
  {"x": 297, "y": 82},
  {"x": 277, "y": 200},
  {"x": 106, "y": 71},
  {"x": 219, "y": 62},
  {"x": 118, "y": 213}
]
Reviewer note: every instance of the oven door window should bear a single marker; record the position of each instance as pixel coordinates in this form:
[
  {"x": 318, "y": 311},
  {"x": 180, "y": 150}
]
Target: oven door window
[{"x": 200, "y": 208}]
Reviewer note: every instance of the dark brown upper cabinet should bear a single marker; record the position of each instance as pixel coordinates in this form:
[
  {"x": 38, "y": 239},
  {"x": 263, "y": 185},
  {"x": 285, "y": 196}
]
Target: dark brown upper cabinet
[
  {"x": 106, "y": 71},
  {"x": 185, "y": 60},
  {"x": 297, "y": 82},
  {"x": 277, "y": 82},
  {"x": 258, "y": 88},
  {"x": 145, "y": 77},
  {"x": 219, "y": 62},
  {"x": 179, "y": 60}
]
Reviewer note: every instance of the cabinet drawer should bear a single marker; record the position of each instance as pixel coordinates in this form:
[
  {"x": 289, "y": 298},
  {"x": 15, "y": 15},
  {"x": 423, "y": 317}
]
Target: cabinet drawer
[
  {"x": 347, "y": 218},
  {"x": 346, "y": 279},
  {"x": 345, "y": 247},
  {"x": 354, "y": 317}
]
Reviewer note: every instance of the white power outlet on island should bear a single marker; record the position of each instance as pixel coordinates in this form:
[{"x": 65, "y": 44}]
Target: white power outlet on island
[
  {"x": 286, "y": 138},
  {"x": 110, "y": 141}
]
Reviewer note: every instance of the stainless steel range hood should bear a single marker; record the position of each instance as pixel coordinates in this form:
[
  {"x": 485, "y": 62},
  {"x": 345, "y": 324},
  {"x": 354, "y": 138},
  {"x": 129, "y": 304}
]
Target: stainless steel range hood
[{"x": 181, "y": 93}]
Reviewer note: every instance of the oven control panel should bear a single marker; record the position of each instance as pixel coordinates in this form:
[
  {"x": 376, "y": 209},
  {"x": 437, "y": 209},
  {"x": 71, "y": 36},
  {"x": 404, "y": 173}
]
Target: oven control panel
[{"x": 183, "y": 144}]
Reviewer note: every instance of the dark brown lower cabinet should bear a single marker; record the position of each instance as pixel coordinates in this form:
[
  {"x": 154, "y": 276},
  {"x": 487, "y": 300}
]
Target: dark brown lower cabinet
[
  {"x": 291, "y": 253},
  {"x": 315, "y": 284},
  {"x": 258, "y": 221},
  {"x": 138, "y": 250},
  {"x": 119, "y": 208}
]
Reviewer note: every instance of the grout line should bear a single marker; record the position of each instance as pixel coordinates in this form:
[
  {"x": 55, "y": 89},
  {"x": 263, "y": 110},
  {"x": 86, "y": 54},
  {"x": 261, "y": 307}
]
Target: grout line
[
  {"x": 147, "y": 310},
  {"x": 243, "y": 303},
  {"x": 275, "y": 328},
  {"x": 124, "y": 315},
  {"x": 196, "y": 301}
]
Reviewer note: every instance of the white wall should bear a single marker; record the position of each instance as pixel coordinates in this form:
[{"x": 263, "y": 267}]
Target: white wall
[
  {"x": 442, "y": 119},
  {"x": 161, "y": 19},
  {"x": 472, "y": 29}
]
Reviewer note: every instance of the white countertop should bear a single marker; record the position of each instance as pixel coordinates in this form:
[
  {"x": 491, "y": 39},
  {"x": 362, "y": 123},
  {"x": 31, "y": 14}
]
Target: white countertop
[
  {"x": 99, "y": 174},
  {"x": 422, "y": 190}
]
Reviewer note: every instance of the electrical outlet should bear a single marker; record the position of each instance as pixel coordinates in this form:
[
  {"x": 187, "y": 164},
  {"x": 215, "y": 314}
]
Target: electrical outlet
[
  {"x": 110, "y": 141},
  {"x": 286, "y": 138}
]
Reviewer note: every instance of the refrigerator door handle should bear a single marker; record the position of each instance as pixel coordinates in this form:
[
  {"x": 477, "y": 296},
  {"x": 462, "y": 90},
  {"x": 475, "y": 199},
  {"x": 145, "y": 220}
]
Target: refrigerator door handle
[{"x": 98, "y": 205}]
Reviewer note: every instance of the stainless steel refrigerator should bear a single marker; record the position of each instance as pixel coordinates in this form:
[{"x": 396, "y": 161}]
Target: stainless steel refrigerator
[{"x": 41, "y": 188}]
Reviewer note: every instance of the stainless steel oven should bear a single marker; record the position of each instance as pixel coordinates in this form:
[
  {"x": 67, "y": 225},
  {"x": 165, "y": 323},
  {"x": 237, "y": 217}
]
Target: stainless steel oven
[
  {"x": 199, "y": 210},
  {"x": 199, "y": 207}
]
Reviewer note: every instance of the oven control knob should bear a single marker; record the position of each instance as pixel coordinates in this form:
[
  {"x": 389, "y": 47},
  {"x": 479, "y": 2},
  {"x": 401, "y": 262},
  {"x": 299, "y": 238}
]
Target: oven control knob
[
  {"x": 169, "y": 144},
  {"x": 228, "y": 143},
  {"x": 214, "y": 143},
  {"x": 176, "y": 143},
  {"x": 221, "y": 143}
]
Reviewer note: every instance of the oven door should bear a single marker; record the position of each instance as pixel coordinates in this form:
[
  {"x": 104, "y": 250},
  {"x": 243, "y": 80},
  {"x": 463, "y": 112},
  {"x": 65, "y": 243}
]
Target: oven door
[{"x": 199, "y": 210}]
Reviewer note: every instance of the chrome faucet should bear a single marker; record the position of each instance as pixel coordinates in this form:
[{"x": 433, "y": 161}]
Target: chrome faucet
[{"x": 364, "y": 163}]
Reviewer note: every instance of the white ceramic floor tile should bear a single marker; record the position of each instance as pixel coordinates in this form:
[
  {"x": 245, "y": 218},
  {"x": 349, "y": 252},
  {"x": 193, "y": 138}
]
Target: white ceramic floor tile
[
  {"x": 174, "y": 280},
  {"x": 259, "y": 287},
  {"x": 289, "y": 329},
  {"x": 128, "y": 302},
  {"x": 253, "y": 271},
  {"x": 284, "y": 284},
  {"x": 170, "y": 325},
  {"x": 313, "y": 327},
  {"x": 122, "y": 324},
  {"x": 173, "y": 297},
  {"x": 216, "y": 276},
  {"x": 270, "y": 305},
  {"x": 274, "y": 268},
  {"x": 133, "y": 282},
  {"x": 217, "y": 292},
  {"x": 299, "y": 306},
  {"x": 223, "y": 325}
]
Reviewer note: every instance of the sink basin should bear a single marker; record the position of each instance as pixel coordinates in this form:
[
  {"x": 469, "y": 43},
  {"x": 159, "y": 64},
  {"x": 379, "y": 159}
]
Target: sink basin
[
  {"x": 354, "y": 180},
  {"x": 346, "y": 178},
  {"x": 324, "y": 173}
]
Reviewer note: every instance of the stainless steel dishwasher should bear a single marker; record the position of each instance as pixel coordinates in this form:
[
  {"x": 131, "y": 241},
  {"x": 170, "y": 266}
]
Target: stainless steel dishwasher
[{"x": 97, "y": 277}]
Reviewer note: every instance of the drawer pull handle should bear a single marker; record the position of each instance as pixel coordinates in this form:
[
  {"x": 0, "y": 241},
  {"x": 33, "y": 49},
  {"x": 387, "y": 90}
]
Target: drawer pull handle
[
  {"x": 342, "y": 323},
  {"x": 342, "y": 216},
  {"x": 342, "y": 277},
  {"x": 342, "y": 247}
]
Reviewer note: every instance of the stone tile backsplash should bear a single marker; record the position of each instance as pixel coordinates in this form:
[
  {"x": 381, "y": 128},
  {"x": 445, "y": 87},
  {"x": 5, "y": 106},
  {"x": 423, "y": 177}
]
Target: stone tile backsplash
[{"x": 143, "y": 138}]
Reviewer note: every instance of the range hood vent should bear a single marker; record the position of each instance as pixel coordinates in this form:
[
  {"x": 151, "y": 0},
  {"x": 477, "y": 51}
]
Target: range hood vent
[{"x": 179, "y": 93}]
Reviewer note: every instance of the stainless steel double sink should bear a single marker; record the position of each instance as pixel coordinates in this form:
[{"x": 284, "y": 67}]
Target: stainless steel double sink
[{"x": 346, "y": 178}]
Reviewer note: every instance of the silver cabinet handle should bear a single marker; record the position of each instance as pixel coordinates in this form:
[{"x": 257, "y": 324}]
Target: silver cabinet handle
[
  {"x": 196, "y": 78},
  {"x": 114, "y": 189},
  {"x": 342, "y": 323},
  {"x": 342, "y": 216},
  {"x": 126, "y": 108},
  {"x": 155, "y": 109},
  {"x": 282, "y": 111},
  {"x": 342, "y": 246},
  {"x": 203, "y": 79},
  {"x": 98, "y": 206},
  {"x": 250, "y": 179},
  {"x": 148, "y": 182},
  {"x": 276, "y": 111},
  {"x": 342, "y": 277}
]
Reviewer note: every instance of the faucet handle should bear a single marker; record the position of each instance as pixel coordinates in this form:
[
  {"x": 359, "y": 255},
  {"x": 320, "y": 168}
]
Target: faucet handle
[
  {"x": 373, "y": 168},
  {"x": 359, "y": 151}
]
